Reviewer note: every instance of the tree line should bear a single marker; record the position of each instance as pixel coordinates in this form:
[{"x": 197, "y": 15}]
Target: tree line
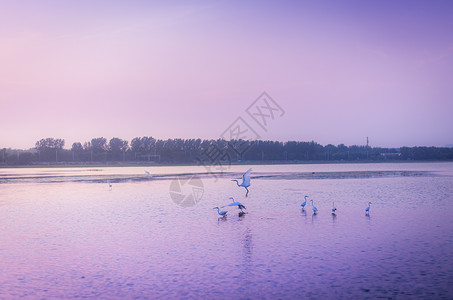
[{"x": 149, "y": 149}]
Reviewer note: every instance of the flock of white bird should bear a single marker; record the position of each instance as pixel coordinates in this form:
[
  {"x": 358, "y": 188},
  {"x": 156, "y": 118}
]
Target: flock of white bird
[
  {"x": 334, "y": 208},
  {"x": 246, "y": 183}
]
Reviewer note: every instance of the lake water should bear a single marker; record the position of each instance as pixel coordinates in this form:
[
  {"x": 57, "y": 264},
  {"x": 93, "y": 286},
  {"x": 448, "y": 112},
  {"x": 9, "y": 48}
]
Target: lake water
[{"x": 65, "y": 233}]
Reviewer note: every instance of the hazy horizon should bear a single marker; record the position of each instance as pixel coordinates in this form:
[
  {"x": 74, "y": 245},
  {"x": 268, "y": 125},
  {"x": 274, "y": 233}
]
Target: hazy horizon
[{"x": 340, "y": 71}]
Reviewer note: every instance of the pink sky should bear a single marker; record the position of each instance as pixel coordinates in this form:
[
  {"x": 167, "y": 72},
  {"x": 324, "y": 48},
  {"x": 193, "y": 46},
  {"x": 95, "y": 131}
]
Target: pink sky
[{"x": 78, "y": 70}]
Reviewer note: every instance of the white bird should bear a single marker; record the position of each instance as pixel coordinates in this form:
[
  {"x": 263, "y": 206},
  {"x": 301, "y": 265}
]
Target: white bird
[
  {"x": 222, "y": 213},
  {"x": 315, "y": 210},
  {"x": 334, "y": 209},
  {"x": 235, "y": 203},
  {"x": 304, "y": 203},
  {"x": 245, "y": 181},
  {"x": 367, "y": 209},
  {"x": 149, "y": 174}
]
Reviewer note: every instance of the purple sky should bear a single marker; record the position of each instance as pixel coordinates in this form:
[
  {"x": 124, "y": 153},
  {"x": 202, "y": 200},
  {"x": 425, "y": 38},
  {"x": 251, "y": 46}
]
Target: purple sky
[{"x": 341, "y": 71}]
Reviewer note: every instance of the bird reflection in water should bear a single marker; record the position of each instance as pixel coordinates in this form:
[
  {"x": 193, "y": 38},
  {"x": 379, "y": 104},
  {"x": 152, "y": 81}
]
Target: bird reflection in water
[
  {"x": 314, "y": 216},
  {"x": 247, "y": 264},
  {"x": 334, "y": 218},
  {"x": 221, "y": 219},
  {"x": 303, "y": 212}
]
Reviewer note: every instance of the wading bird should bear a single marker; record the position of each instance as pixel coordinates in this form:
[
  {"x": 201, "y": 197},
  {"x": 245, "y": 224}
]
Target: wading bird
[
  {"x": 222, "y": 213},
  {"x": 235, "y": 203},
  {"x": 367, "y": 209},
  {"x": 315, "y": 210},
  {"x": 245, "y": 181},
  {"x": 334, "y": 209},
  {"x": 304, "y": 203},
  {"x": 149, "y": 174}
]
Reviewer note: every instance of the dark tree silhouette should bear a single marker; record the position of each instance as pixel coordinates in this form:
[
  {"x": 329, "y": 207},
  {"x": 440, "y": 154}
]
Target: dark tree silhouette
[
  {"x": 118, "y": 148},
  {"x": 48, "y": 148},
  {"x": 212, "y": 151},
  {"x": 99, "y": 145},
  {"x": 77, "y": 147}
]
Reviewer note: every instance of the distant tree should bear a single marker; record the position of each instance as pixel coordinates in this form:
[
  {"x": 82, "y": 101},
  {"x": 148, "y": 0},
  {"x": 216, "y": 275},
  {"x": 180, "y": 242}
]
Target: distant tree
[
  {"x": 191, "y": 150},
  {"x": 48, "y": 148},
  {"x": 148, "y": 143},
  {"x": 49, "y": 143},
  {"x": 59, "y": 143},
  {"x": 99, "y": 144},
  {"x": 330, "y": 151},
  {"x": 87, "y": 146},
  {"x": 143, "y": 146},
  {"x": 161, "y": 148},
  {"x": 88, "y": 149},
  {"x": 26, "y": 158},
  {"x": 3, "y": 155},
  {"x": 77, "y": 147},
  {"x": 136, "y": 144},
  {"x": 117, "y": 147}
]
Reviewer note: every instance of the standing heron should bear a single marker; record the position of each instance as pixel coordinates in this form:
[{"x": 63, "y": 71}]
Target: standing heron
[
  {"x": 367, "y": 209},
  {"x": 334, "y": 209},
  {"x": 315, "y": 210},
  {"x": 235, "y": 203},
  {"x": 245, "y": 181},
  {"x": 304, "y": 203},
  {"x": 222, "y": 213}
]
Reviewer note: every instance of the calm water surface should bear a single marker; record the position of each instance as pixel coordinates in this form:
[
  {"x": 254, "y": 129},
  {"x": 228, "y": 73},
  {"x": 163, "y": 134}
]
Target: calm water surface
[{"x": 65, "y": 233}]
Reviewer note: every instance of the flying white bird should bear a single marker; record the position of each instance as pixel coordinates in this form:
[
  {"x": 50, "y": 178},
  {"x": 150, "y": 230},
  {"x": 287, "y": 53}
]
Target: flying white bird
[
  {"x": 235, "y": 203},
  {"x": 245, "y": 181},
  {"x": 149, "y": 174}
]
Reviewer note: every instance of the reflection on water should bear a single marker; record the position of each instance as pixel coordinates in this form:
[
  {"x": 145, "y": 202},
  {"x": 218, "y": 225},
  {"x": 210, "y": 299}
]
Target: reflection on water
[
  {"x": 314, "y": 216},
  {"x": 334, "y": 218},
  {"x": 303, "y": 212},
  {"x": 247, "y": 263},
  {"x": 84, "y": 239}
]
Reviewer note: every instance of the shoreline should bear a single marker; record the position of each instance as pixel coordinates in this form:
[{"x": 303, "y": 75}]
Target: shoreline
[{"x": 237, "y": 163}]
